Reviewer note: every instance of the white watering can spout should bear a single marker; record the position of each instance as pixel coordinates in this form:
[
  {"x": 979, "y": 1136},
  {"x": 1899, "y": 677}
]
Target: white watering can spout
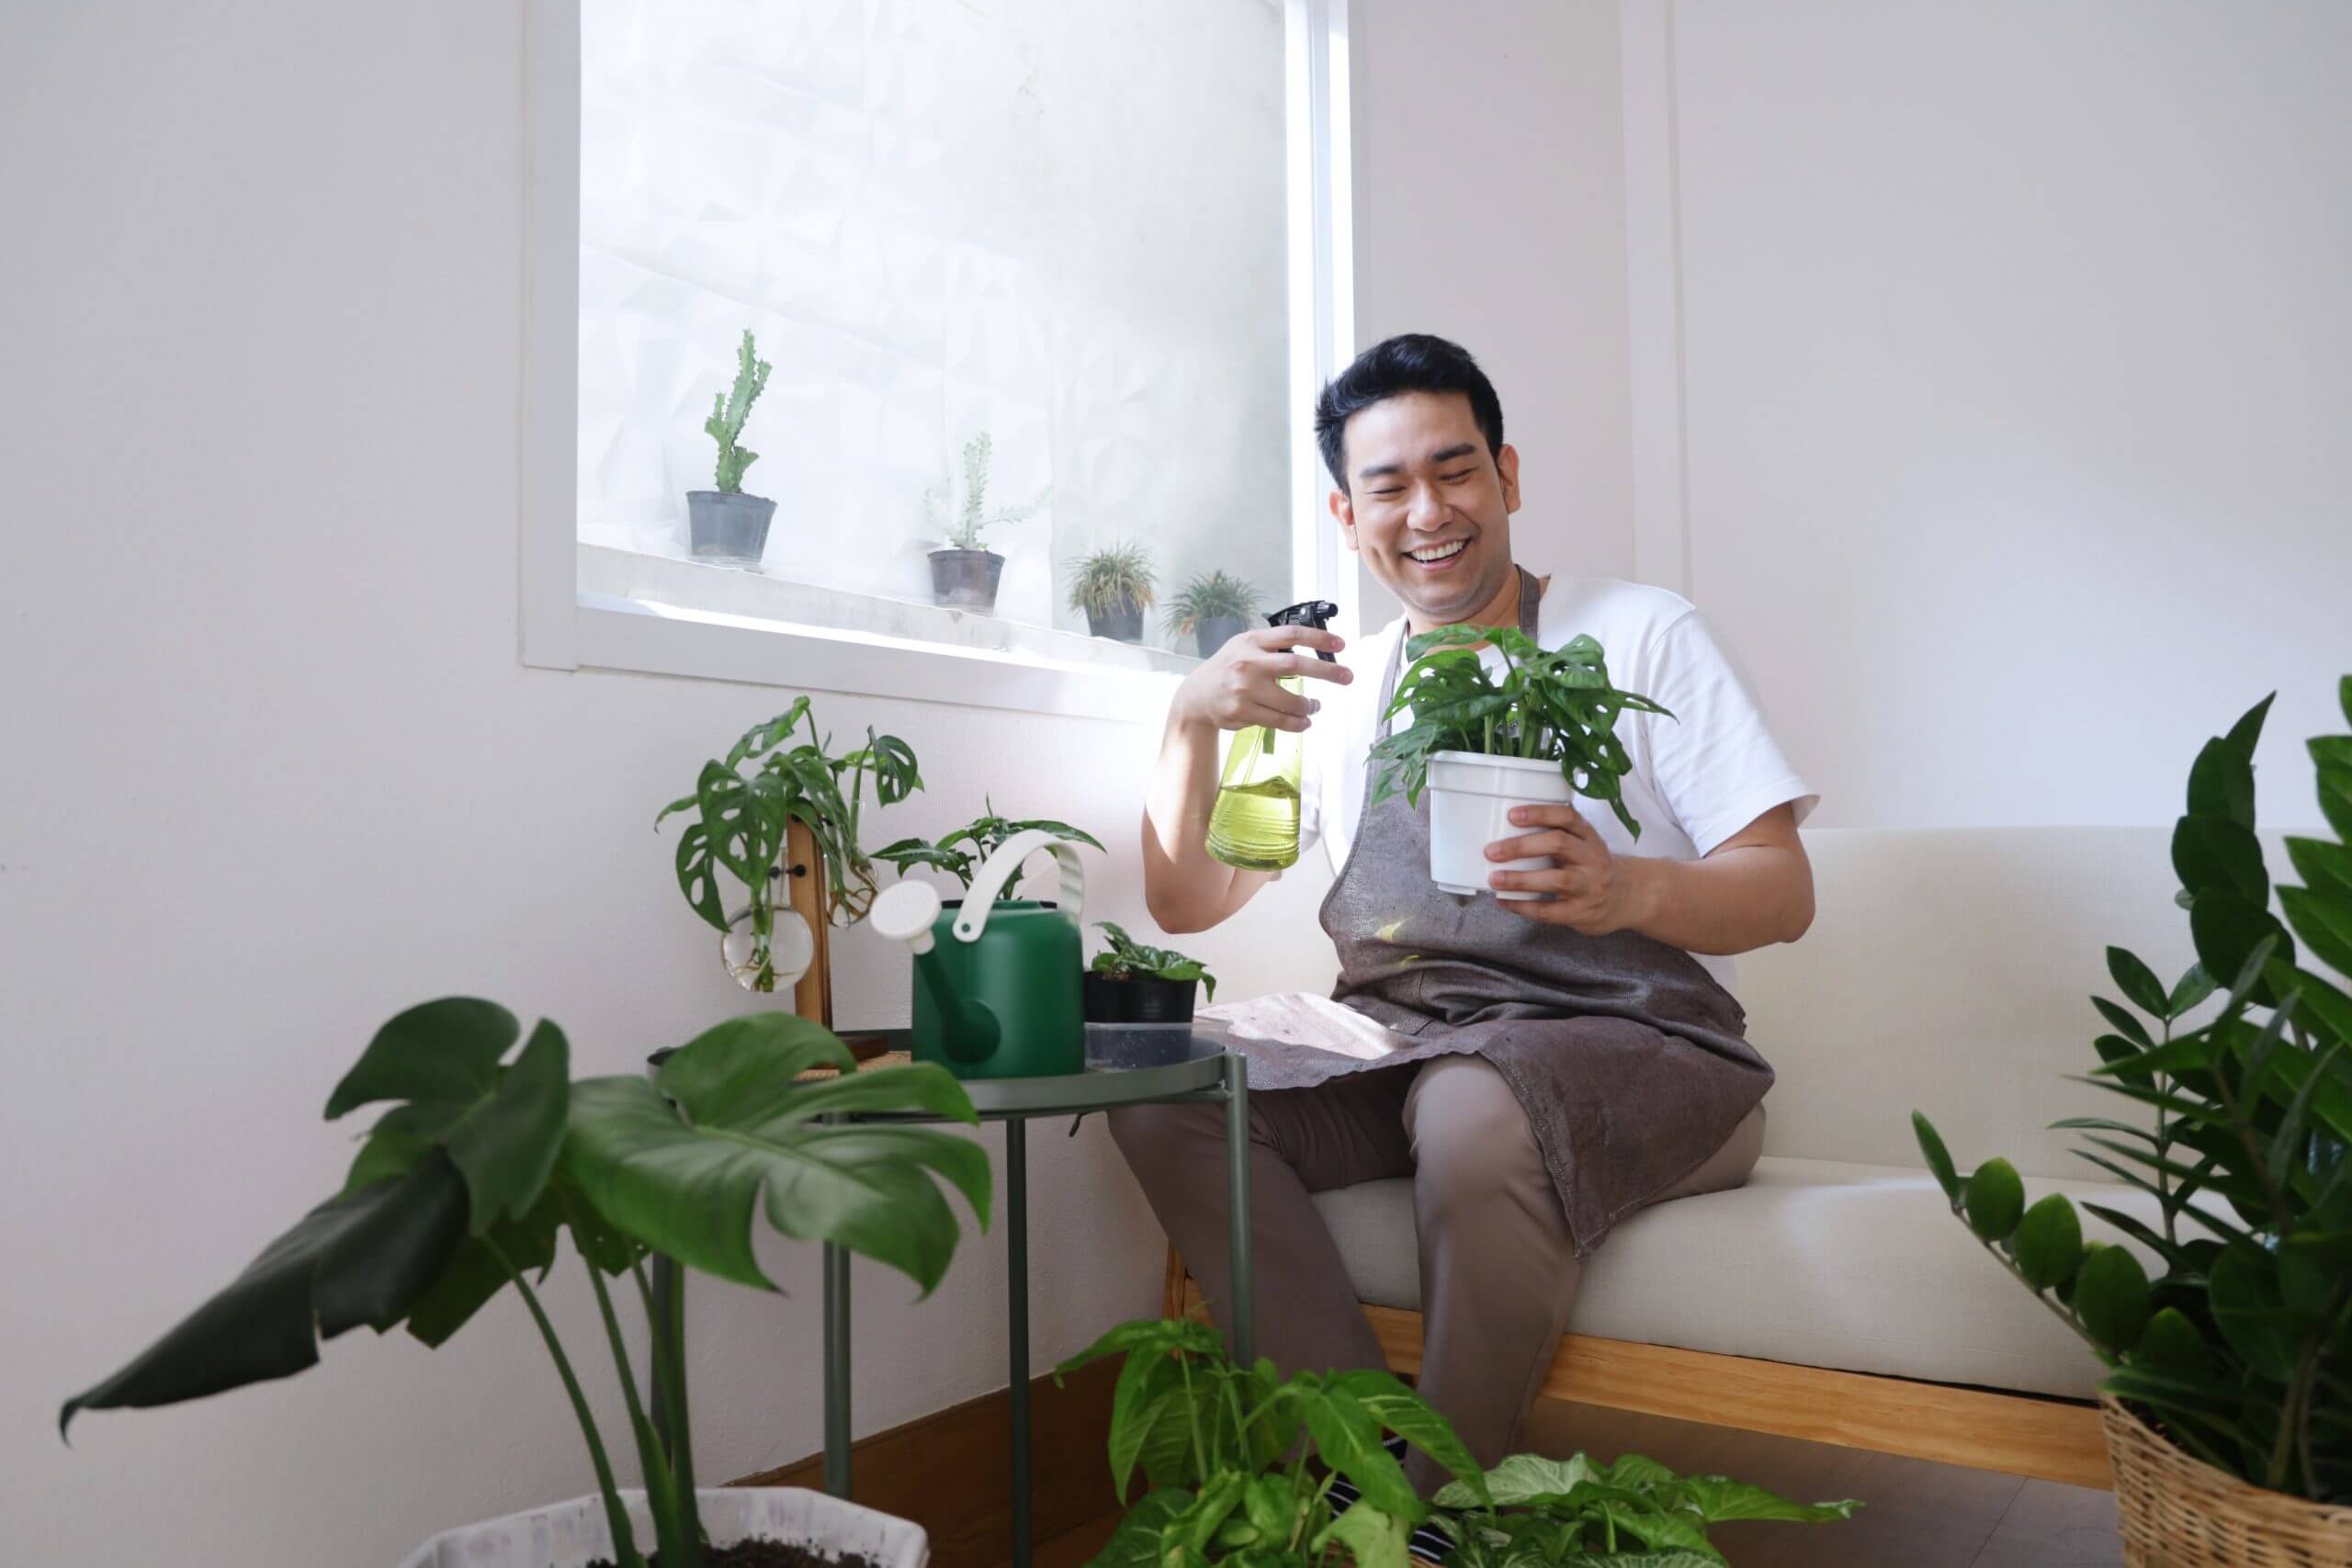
[{"x": 903, "y": 912}]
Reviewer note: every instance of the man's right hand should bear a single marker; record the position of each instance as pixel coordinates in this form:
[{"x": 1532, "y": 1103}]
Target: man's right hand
[{"x": 1240, "y": 684}]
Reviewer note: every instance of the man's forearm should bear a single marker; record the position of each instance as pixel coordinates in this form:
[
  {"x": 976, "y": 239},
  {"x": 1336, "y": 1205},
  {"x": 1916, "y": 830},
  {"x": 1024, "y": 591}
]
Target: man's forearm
[
  {"x": 1738, "y": 899},
  {"x": 1186, "y": 887}
]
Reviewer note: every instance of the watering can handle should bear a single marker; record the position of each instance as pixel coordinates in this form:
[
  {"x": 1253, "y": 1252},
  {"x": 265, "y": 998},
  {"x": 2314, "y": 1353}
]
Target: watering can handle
[{"x": 999, "y": 869}]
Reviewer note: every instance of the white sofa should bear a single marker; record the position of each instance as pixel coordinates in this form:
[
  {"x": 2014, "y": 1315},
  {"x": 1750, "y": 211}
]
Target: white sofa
[{"x": 1947, "y": 971}]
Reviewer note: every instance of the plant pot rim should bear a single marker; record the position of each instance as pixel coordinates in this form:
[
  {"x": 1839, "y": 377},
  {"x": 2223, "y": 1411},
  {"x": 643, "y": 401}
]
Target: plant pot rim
[
  {"x": 2157, "y": 1483},
  {"x": 1529, "y": 764},
  {"x": 953, "y": 550},
  {"x": 840, "y": 1525},
  {"x": 725, "y": 494}
]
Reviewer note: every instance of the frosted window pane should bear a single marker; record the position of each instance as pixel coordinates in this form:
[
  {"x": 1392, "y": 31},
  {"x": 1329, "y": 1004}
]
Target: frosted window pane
[{"x": 1058, "y": 221}]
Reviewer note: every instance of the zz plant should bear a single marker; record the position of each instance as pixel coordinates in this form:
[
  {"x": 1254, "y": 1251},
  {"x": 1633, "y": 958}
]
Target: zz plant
[
  {"x": 961, "y": 852},
  {"x": 2241, "y": 1346},
  {"x": 463, "y": 1185},
  {"x": 1126, "y": 959},
  {"x": 1556, "y": 705},
  {"x": 1241, "y": 1463},
  {"x": 741, "y": 821}
]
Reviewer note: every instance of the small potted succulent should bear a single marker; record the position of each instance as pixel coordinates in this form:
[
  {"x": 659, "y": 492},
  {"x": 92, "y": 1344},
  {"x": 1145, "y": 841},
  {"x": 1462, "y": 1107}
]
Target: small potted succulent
[
  {"x": 2228, "y": 1399},
  {"x": 1243, "y": 1468},
  {"x": 1540, "y": 732},
  {"x": 481, "y": 1165},
  {"x": 1212, "y": 609},
  {"x": 723, "y": 525},
  {"x": 965, "y": 573},
  {"x": 1130, "y": 982},
  {"x": 1115, "y": 586},
  {"x": 739, "y": 825}
]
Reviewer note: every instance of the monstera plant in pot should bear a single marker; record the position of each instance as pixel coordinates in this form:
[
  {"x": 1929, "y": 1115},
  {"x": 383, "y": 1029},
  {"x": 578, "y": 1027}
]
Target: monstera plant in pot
[
  {"x": 1539, "y": 731},
  {"x": 741, "y": 822},
  {"x": 481, "y": 1165},
  {"x": 2228, "y": 1404},
  {"x": 965, "y": 573},
  {"x": 723, "y": 525}
]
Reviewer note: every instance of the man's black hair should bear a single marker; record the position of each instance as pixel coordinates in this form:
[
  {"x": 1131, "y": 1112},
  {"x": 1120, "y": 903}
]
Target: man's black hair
[{"x": 1409, "y": 362}]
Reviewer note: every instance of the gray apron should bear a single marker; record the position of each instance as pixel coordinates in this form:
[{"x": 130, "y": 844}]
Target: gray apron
[{"x": 1627, "y": 1057}]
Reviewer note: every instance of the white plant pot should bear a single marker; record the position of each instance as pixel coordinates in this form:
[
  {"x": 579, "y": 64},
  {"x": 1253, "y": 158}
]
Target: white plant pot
[
  {"x": 574, "y": 1534},
  {"x": 1470, "y": 800}
]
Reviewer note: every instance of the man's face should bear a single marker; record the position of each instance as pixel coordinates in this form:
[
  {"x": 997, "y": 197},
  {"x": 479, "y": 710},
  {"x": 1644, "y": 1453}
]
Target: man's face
[{"x": 1428, "y": 507}]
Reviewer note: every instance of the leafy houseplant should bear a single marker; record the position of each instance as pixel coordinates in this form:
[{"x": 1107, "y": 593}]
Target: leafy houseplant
[
  {"x": 462, "y": 1187},
  {"x": 1130, "y": 982},
  {"x": 1541, "y": 729},
  {"x": 724, "y": 524},
  {"x": 964, "y": 575},
  {"x": 2239, "y": 1353},
  {"x": 960, "y": 853},
  {"x": 1212, "y": 609},
  {"x": 1115, "y": 586},
  {"x": 740, "y": 823},
  {"x": 1226, "y": 1451}
]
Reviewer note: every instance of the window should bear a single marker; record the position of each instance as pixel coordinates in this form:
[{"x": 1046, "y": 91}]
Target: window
[{"x": 1090, "y": 251}]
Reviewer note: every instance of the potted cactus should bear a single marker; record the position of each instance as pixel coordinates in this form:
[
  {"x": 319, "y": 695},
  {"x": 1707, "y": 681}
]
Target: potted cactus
[
  {"x": 1212, "y": 609},
  {"x": 723, "y": 525},
  {"x": 1115, "y": 587},
  {"x": 965, "y": 573}
]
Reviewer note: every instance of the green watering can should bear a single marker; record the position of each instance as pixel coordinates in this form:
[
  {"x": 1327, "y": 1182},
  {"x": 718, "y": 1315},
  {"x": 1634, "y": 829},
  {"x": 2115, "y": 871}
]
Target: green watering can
[{"x": 997, "y": 988}]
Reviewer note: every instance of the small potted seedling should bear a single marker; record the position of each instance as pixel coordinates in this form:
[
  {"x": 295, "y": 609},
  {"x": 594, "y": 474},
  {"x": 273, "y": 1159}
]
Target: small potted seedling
[
  {"x": 1115, "y": 586},
  {"x": 1539, "y": 732},
  {"x": 723, "y": 525},
  {"x": 1130, "y": 982},
  {"x": 1212, "y": 609},
  {"x": 964, "y": 575}
]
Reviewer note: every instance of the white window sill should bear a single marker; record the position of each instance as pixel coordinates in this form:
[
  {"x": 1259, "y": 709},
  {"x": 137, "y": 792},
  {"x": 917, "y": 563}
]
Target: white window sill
[{"x": 661, "y": 615}]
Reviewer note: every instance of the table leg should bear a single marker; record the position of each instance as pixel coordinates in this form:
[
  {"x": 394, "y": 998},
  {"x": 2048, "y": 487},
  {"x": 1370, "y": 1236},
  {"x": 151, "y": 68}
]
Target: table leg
[
  {"x": 657, "y": 1326},
  {"x": 1016, "y": 1243},
  {"x": 1236, "y": 1167},
  {"x": 836, "y": 1371}
]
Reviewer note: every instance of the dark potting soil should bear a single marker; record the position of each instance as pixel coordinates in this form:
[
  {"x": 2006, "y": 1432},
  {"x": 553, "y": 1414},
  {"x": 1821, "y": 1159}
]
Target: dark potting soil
[{"x": 763, "y": 1554}]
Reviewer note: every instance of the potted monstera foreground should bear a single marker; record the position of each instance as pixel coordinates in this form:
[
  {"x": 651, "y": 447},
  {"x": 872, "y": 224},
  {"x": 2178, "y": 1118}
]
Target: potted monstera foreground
[{"x": 463, "y": 1188}]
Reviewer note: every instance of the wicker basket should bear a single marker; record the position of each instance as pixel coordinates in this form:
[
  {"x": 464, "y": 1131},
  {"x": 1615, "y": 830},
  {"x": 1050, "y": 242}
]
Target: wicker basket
[{"x": 2178, "y": 1512}]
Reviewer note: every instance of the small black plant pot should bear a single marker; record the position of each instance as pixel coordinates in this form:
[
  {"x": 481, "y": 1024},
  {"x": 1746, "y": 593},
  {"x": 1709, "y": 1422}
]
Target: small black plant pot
[
  {"x": 1139, "y": 1000},
  {"x": 1217, "y": 631},
  {"x": 1122, "y": 624},
  {"x": 965, "y": 579},
  {"x": 728, "y": 530}
]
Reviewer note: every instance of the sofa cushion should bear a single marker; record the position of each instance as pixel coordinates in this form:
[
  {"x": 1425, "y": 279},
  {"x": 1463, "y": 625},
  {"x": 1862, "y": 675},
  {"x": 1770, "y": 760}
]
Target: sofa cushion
[{"x": 1856, "y": 1267}]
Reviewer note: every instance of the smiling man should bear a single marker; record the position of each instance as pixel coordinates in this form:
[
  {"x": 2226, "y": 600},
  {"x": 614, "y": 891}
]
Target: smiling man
[{"x": 1539, "y": 1069}]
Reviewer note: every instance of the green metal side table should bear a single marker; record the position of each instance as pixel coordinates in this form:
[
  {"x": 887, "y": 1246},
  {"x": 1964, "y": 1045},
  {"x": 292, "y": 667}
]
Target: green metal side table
[{"x": 1126, "y": 1066}]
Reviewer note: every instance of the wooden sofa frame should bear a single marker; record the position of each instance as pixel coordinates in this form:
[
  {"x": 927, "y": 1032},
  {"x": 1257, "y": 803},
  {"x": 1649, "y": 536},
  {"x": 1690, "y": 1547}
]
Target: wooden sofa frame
[{"x": 2052, "y": 1439}]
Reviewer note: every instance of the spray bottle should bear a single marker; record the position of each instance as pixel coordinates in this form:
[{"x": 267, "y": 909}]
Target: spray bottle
[{"x": 1254, "y": 824}]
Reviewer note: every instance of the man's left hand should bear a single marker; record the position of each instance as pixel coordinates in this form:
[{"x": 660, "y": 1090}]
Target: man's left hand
[{"x": 1591, "y": 890}]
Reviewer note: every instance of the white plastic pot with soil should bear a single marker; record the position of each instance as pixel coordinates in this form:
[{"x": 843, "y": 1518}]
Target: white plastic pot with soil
[
  {"x": 807, "y": 1528},
  {"x": 1471, "y": 798}
]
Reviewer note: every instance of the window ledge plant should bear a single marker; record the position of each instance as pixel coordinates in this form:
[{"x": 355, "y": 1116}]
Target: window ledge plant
[
  {"x": 1539, "y": 731},
  {"x": 963, "y": 571},
  {"x": 1212, "y": 609},
  {"x": 1113, "y": 587},
  {"x": 725, "y": 525},
  {"x": 2239, "y": 1352},
  {"x": 462, "y": 1188}
]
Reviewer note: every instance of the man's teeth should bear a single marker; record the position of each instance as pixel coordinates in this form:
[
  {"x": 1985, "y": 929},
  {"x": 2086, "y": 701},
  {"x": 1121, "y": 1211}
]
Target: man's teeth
[{"x": 1439, "y": 552}]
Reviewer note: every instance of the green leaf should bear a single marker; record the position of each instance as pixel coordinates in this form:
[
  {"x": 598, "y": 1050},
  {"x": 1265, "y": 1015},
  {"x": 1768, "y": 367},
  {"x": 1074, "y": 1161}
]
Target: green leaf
[
  {"x": 360, "y": 1257},
  {"x": 502, "y": 1127},
  {"x": 1218, "y": 1498},
  {"x": 2325, "y": 866},
  {"x": 2127, "y": 1023},
  {"x": 2335, "y": 799},
  {"x": 1939, "y": 1158},
  {"x": 1994, "y": 1199},
  {"x": 1348, "y": 1439},
  {"x": 2137, "y": 981},
  {"x": 2110, "y": 1297},
  {"x": 1720, "y": 1500},
  {"x": 2171, "y": 1343},
  {"x": 2193, "y": 988},
  {"x": 1399, "y": 1410},
  {"x": 686, "y": 1179},
  {"x": 2214, "y": 851},
  {"x": 2228, "y": 932},
  {"x": 2048, "y": 1243},
  {"x": 1149, "y": 1336},
  {"x": 2221, "y": 784},
  {"x": 2250, "y": 1312},
  {"x": 1524, "y": 1481},
  {"x": 1650, "y": 1526},
  {"x": 1136, "y": 1542},
  {"x": 2324, "y": 922},
  {"x": 765, "y": 738},
  {"x": 474, "y": 1274},
  {"x": 1374, "y": 1538}
]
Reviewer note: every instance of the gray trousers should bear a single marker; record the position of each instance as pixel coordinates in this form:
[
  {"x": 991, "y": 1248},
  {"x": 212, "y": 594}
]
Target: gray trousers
[{"x": 1499, "y": 1270}]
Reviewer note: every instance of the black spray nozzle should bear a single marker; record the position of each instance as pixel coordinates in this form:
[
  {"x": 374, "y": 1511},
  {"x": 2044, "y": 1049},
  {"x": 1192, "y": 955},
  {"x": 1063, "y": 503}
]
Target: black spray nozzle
[{"x": 1315, "y": 612}]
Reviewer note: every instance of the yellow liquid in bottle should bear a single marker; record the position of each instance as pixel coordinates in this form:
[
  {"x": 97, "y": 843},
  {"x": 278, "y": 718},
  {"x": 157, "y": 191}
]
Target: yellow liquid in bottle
[{"x": 1254, "y": 824}]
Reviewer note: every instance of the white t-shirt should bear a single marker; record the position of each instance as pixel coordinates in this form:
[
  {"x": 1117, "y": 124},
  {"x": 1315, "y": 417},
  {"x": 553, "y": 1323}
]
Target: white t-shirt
[{"x": 1697, "y": 779}]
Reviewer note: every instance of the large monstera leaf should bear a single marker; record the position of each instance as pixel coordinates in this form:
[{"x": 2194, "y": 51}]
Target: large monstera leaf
[
  {"x": 729, "y": 1127},
  {"x": 466, "y": 1154}
]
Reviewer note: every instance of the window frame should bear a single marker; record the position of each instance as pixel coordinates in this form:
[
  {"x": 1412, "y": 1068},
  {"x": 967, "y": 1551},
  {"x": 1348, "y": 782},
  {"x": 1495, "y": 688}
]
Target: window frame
[{"x": 563, "y": 628}]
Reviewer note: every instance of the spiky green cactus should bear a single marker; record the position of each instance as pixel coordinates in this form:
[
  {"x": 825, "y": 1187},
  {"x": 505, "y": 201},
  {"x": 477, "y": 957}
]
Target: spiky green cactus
[
  {"x": 969, "y": 530},
  {"x": 728, "y": 412}
]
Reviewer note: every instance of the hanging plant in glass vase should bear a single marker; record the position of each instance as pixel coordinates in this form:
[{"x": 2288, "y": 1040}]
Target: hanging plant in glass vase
[{"x": 743, "y": 823}]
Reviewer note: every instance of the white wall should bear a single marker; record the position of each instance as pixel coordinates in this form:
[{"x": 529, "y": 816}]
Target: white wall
[
  {"x": 273, "y": 771},
  {"x": 1490, "y": 209},
  {"x": 2017, "y": 366}
]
